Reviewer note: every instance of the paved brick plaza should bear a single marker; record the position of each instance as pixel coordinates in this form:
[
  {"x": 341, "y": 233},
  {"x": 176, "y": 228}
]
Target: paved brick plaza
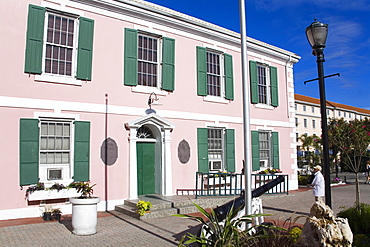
[{"x": 115, "y": 229}]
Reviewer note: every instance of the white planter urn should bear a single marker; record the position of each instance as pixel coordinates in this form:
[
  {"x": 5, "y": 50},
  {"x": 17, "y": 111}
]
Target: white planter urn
[{"x": 84, "y": 215}]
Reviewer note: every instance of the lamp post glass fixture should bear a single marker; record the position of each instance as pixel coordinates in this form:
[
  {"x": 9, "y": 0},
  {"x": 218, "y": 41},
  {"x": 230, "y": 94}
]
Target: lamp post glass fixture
[{"x": 316, "y": 34}]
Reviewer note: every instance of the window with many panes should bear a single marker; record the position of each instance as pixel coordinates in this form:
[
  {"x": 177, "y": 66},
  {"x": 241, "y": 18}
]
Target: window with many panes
[
  {"x": 149, "y": 61},
  {"x": 58, "y": 45},
  {"x": 48, "y": 146},
  {"x": 148, "y": 66},
  {"x": 55, "y": 149},
  {"x": 264, "y": 84},
  {"x": 264, "y": 148},
  {"x": 215, "y": 149},
  {"x": 214, "y": 72},
  {"x": 314, "y": 123},
  {"x": 263, "y": 92}
]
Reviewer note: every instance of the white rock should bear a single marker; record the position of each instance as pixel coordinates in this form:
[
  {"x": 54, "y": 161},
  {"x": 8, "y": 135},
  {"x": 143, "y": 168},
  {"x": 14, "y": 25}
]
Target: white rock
[{"x": 322, "y": 228}]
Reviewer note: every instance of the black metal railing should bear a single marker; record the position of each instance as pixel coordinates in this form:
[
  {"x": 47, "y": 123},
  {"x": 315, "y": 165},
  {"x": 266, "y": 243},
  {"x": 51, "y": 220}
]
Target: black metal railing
[{"x": 228, "y": 184}]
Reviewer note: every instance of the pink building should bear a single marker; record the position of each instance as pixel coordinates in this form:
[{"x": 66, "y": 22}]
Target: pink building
[{"x": 75, "y": 92}]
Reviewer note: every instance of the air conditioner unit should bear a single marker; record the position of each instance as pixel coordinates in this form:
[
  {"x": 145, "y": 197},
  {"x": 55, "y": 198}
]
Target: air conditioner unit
[
  {"x": 263, "y": 163},
  {"x": 54, "y": 174},
  {"x": 215, "y": 165}
]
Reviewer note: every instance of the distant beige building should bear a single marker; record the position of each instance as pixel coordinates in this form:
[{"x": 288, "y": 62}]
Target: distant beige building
[{"x": 308, "y": 116}]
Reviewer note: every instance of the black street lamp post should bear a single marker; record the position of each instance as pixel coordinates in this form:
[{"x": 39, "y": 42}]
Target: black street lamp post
[{"x": 316, "y": 34}]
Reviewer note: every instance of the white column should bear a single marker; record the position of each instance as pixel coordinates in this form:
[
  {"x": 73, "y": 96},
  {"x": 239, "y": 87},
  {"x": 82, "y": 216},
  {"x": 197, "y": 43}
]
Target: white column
[
  {"x": 133, "y": 165},
  {"x": 167, "y": 164}
]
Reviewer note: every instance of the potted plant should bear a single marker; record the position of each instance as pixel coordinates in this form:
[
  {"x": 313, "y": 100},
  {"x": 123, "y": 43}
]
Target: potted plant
[
  {"x": 56, "y": 213},
  {"x": 47, "y": 211},
  {"x": 84, "y": 209},
  {"x": 31, "y": 189}
]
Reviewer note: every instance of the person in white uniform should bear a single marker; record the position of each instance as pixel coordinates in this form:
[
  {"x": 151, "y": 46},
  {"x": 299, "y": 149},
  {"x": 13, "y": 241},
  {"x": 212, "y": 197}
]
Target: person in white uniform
[{"x": 318, "y": 184}]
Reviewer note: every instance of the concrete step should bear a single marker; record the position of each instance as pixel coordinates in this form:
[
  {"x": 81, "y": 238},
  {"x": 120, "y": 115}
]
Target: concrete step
[
  {"x": 187, "y": 210},
  {"x": 159, "y": 213},
  {"x": 128, "y": 210},
  {"x": 154, "y": 213},
  {"x": 166, "y": 207},
  {"x": 155, "y": 206}
]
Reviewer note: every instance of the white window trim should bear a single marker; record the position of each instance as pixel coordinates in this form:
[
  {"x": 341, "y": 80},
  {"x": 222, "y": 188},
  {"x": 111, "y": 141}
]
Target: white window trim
[
  {"x": 267, "y": 161},
  {"x": 150, "y": 30},
  {"x": 221, "y": 98},
  {"x": 216, "y": 99},
  {"x": 59, "y": 116},
  {"x": 62, "y": 7},
  {"x": 69, "y": 80},
  {"x": 264, "y": 106},
  {"x": 148, "y": 90},
  {"x": 44, "y": 167},
  {"x": 268, "y": 85},
  {"x": 57, "y": 78},
  {"x": 145, "y": 89},
  {"x": 222, "y": 148}
]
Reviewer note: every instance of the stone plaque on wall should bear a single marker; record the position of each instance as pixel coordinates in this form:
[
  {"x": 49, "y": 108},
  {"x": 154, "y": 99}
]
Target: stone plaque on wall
[
  {"x": 183, "y": 151},
  {"x": 109, "y": 151}
]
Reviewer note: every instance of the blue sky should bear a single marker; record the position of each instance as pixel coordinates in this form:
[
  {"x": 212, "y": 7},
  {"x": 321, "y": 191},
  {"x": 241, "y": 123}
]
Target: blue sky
[{"x": 282, "y": 23}]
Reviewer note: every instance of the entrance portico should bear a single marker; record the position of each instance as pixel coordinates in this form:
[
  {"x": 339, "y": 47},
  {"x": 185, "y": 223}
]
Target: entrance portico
[{"x": 153, "y": 132}]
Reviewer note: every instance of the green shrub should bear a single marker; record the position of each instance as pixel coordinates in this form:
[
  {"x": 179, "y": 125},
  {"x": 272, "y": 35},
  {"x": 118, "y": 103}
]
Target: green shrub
[
  {"x": 302, "y": 179},
  {"x": 361, "y": 240},
  {"x": 228, "y": 232},
  {"x": 218, "y": 234},
  {"x": 359, "y": 221}
]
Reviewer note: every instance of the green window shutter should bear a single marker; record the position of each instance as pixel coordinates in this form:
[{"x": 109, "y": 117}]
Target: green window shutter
[
  {"x": 255, "y": 151},
  {"x": 82, "y": 151},
  {"x": 254, "y": 81},
  {"x": 28, "y": 151},
  {"x": 85, "y": 49},
  {"x": 201, "y": 71},
  {"x": 229, "y": 77},
  {"x": 168, "y": 64},
  {"x": 230, "y": 150},
  {"x": 34, "y": 39},
  {"x": 202, "y": 135},
  {"x": 275, "y": 150},
  {"x": 274, "y": 87},
  {"x": 130, "y": 57}
]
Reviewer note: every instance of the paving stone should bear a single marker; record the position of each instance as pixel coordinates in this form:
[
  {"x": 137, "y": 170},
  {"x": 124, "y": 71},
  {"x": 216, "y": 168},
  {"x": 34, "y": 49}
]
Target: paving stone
[{"x": 117, "y": 229}]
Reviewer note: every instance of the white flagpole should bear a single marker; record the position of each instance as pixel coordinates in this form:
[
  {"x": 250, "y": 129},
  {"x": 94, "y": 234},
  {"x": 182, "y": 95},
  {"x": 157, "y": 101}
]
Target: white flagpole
[{"x": 246, "y": 112}]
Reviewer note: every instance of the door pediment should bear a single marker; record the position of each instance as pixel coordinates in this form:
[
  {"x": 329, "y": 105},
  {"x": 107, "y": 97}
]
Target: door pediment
[{"x": 152, "y": 119}]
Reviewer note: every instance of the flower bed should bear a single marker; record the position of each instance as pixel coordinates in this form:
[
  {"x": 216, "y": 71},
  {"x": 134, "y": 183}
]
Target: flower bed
[
  {"x": 52, "y": 194},
  {"x": 39, "y": 192}
]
